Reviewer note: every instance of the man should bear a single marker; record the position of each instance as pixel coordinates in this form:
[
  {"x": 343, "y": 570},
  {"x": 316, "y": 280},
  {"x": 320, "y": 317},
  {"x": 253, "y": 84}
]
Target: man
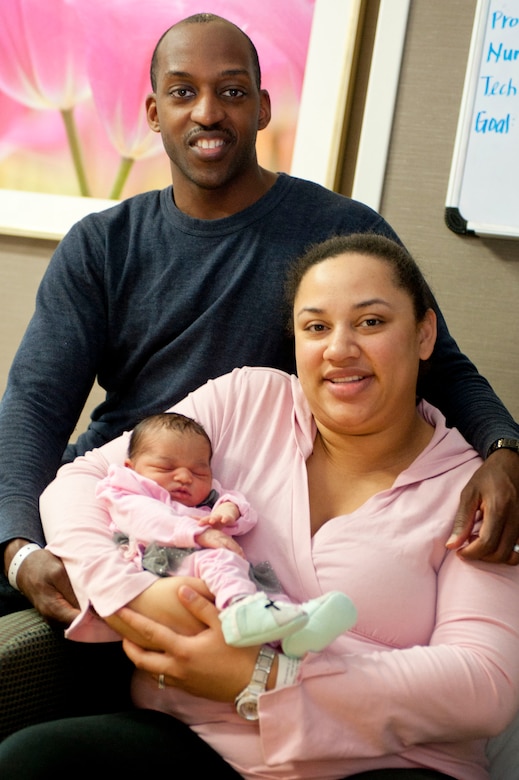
[{"x": 171, "y": 288}]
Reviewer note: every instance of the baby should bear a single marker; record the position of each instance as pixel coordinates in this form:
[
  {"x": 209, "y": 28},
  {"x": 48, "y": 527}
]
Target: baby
[{"x": 173, "y": 518}]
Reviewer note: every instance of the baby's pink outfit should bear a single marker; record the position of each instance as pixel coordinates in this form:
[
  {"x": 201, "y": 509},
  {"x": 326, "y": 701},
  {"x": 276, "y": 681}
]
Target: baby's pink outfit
[{"x": 144, "y": 511}]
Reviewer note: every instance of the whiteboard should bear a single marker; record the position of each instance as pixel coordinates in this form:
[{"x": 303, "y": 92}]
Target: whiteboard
[{"x": 483, "y": 191}]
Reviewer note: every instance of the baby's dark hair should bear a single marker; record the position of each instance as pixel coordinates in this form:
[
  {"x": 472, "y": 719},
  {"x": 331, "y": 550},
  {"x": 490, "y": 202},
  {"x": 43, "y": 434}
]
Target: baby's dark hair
[
  {"x": 169, "y": 421},
  {"x": 406, "y": 273}
]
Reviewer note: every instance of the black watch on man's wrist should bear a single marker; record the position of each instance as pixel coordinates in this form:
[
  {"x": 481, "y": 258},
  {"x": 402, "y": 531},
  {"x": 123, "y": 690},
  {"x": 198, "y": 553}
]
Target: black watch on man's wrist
[{"x": 504, "y": 444}]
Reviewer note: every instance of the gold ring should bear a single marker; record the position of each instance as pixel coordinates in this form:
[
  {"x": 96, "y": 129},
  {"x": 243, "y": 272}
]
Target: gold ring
[{"x": 162, "y": 682}]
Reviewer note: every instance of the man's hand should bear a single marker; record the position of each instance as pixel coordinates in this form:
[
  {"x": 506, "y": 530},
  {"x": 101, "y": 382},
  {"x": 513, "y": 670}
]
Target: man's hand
[
  {"x": 492, "y": 495},
  {"x": 43, "y": 580}
]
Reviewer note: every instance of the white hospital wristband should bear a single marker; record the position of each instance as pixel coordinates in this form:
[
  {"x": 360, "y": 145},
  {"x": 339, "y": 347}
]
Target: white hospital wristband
[
  {"x": 17, "y": 561},
  {"x": 288, "y": 671}
]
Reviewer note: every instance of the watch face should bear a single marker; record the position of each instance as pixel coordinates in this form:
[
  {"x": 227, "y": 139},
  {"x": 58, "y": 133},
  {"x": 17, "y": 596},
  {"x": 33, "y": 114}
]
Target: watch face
[{"x": 248, "y": 708}]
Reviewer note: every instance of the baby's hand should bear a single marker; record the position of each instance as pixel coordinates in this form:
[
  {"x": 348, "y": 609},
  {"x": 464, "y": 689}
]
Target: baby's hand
[
  {"x": 213, "y": 537},
  {"x": 225, "y": 514}
]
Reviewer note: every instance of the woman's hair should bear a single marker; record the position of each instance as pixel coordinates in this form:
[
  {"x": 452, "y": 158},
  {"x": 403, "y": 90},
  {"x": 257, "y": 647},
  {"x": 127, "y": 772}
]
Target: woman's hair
[
  {"x": 167, "y": 421},
  {"x": 406, "y": 273}
]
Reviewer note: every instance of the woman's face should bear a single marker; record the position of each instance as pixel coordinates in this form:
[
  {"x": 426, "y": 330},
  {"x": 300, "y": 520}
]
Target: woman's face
[{"x": 358, "y": 345}]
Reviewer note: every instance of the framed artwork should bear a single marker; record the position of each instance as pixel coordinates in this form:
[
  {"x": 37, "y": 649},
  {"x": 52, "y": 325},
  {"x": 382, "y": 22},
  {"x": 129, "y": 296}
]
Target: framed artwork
[{"x": 74, "y": 75}]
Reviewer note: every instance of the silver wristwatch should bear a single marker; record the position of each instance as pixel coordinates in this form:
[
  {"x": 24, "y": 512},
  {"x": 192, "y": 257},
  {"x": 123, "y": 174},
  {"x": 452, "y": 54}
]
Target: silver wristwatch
[
  {"x": 504, "y": 444},
  {"x": 247, "y": 701}
]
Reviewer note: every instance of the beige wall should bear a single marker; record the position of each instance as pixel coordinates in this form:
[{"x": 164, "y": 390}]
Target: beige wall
[
  {"x": 22, "y": 264},
  {"x": 475, "y": 281}
]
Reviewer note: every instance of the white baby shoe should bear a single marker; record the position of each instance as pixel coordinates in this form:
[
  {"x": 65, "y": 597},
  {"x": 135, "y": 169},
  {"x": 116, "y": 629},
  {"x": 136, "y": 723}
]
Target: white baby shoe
[
  {"x": 257, "y": 619},
  {"x": 301, "y": 628},
  {"x": 328, "y": 617}
]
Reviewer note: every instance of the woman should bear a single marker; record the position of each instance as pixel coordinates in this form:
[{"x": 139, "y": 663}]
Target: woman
[{"x": 356, "y": 486}]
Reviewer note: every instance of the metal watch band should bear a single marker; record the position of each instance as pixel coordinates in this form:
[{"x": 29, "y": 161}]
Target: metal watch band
[
  {"x": 247, "y": 701},
  {"x": 504, "y": 444}
]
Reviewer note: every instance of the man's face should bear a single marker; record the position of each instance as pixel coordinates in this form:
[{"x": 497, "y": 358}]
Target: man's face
[{"x": 207, "y": 104}]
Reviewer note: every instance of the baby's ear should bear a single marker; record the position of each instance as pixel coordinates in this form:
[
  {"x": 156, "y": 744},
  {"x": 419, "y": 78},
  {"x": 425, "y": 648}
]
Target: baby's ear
[{"x": 128, "y": 463}]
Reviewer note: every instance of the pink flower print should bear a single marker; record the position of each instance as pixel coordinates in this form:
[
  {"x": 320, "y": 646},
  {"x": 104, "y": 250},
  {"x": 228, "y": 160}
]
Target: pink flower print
[{"x": 42, "y": 62}]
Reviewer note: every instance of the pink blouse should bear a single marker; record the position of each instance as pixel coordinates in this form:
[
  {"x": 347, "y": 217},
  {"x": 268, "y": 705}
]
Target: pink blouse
[{"x": 431, "y": 667}]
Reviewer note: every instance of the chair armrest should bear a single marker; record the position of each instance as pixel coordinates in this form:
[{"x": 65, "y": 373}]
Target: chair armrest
[
  {"x": 44, "y": 676},
  {"x": 32, "y": 654}
]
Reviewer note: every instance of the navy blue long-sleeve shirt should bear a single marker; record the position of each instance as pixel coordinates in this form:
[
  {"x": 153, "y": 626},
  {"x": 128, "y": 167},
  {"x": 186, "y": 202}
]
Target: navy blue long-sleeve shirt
[{"x": 154, "y": 303}]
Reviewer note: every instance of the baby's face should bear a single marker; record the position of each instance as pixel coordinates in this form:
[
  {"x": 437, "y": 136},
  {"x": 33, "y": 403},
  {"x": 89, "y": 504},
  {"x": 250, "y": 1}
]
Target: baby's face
[{"x": 178, "y": 462}]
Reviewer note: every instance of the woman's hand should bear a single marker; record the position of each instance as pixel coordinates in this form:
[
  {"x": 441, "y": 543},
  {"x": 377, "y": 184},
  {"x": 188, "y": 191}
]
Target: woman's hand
[
  {"x": 202, "y": 665},
  {"x": 160, "y": 603},
  {"x": 493, "y": 495}
]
